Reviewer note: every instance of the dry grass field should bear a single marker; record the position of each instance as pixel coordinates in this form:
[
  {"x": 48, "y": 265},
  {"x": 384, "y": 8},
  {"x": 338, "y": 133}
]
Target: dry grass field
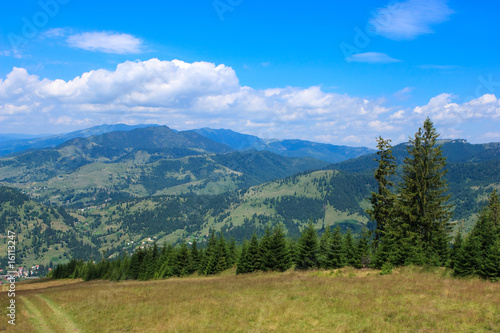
[{"x": 409, "y": 300}]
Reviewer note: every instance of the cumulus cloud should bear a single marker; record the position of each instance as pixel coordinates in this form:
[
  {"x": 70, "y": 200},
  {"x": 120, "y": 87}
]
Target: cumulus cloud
[
  {"x": 409, "y": 19},
  {"x": 372, "y": 57},
  {"x": 107, "y": 42},
  {"x": 441, "y": 108},
  {"x": 201, "y": 94}
]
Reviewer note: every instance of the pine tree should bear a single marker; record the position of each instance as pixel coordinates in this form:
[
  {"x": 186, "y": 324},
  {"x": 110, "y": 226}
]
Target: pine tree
[
  {"x": 267, "y": 261},
  {"x": 307, "y": 249},
  {"x": 494, "y": 210},
  {"x": 153, "y": 264},
  {"x": 338, "y": 253},
  {"x": 383, "y": 201},
  {"x": 135, "y": 264},
  {"x": 325, "y": 249},
  {"x": 423, "y": 212},
  {"x": 231, "y": 252},
  {"x": 195, "y": 256},
  {"x": 210, "y": 254},
  {"x": 350, "y": 250},
  {"x": 182, "y": 261},
  {"x": 490, "y": 266},
  {"x": 362, "y": 258},
  {"x": 166, "y": 262},
  {"x": 279, "y": 250},
  {"x": 479, "y": 254},
  {"x": 457, "y": 248},
  {"x": 253, "y": 254},
  {"x": 242, "y": 266}
]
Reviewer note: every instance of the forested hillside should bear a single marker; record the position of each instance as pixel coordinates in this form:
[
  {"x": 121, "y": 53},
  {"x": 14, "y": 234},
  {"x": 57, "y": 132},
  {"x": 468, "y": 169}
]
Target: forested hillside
[{"x": 120, "y": 192}]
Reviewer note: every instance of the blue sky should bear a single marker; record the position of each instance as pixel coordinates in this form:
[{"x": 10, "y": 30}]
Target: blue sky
[{"x": 341, "y": 73}]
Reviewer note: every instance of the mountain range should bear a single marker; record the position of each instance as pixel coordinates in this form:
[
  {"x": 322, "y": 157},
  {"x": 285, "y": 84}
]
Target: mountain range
[
  {"x": 112, "y": 191},
  {"x": 237, "y": 141}
]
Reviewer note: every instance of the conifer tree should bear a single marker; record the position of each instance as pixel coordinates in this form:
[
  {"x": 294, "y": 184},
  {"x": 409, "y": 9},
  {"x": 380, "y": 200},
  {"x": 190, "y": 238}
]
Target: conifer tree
[
  {"x": 253, "y": 254},
  {"x": 480, "y": 249},
  {"x": 242, "y": 266},
  {"x": 152, "y": 266},
  {"x": 490, "y": 266},
  {"x": 423, "y": 212},
  {"x": 195, "y": 256},
  {"x": 307, "y": 248},
  {"x": 457, "y": 248},
  {"x": 325, "y": 249},
  {"x": 279, "y": 250},
  {"x": 494, "y": 210},
  {"x": 231, "y": 252},
  {"x": 222, "y": 254},
  {"x": 363, "y": 250},
  {"x": 338, "y": 253},
  {"x": 182, "y": 261},
  {"x": 383, "y": 201},
  {"x": 350, "y": 249},
  {"x": 210, "y": 254},
  {"x": 265, "y": 253},
  {"x": 135, "y": 264},
  {"x": 167, "y": 260}
]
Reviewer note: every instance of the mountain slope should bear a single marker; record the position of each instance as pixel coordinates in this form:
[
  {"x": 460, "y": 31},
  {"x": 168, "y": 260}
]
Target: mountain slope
[
  {"x": 290, "y": 148},
  {"x": 142, "y": 162},
  {"x": 153, "y": 143},
  {"x": 211, "y": 198},
  {"x": 16, "y": 143},
  {"x": 455, "y": 151}
]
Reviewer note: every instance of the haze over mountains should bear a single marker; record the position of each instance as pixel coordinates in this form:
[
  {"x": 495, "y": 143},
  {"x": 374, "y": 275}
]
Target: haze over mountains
[{"x": 237, "y": 141}]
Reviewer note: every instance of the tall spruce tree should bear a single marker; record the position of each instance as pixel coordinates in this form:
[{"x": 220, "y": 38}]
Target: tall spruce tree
[
  {"x": 307, "y": 248},
  {"x": 242, "y": 265},
  {"x": 480, "y": 254},
  {"x": 265, "y": 253},
  {"x": 325, "y": 249},
  {"x": 383, "y": 200},
  {"x": 253, "y": 254},
  {"x": 338, "y": 252},
  {"x": 195, "y": 256},
  {"x": 350, "y": 249},
  {"x": 280, "y": 250},
  {"x": 423, "y": 212},
  {"x": 362, "y": 258}
]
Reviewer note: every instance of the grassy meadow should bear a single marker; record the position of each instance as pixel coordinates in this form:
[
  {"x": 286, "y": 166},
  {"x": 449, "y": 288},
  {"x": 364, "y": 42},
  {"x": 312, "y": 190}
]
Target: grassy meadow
[{"x": 409, "y": 300}]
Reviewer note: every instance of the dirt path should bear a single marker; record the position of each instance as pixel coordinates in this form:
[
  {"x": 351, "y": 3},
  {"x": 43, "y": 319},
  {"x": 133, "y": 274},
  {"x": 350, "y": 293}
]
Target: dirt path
[
  {"x": 35, "y": 316},
  {"x": 59, "y": 321}
]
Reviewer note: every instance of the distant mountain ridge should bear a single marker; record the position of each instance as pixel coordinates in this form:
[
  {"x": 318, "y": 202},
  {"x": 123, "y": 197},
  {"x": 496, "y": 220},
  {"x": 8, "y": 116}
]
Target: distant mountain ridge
[
  {"x": 455, "y": 151},
  {"x": 18, "y": 142},
  {"x": 143, "y": 162},
  {"x": 291, "y": 148}
]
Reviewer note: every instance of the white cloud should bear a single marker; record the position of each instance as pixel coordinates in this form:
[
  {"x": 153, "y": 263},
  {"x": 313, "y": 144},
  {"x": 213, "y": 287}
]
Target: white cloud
[
  {"x": 441, "y": 108},
  {"x": 55, "y": 33},
  {"x": 398, "y": 115},
  {"x": 380, "y": 126},
  {"x": 409, "y": 19},
  {"x": 352, "y": 139},
  {"x": 202, "y": 94},
  {"x": 404, "y": 93},
  {"x": 107, "y": 42},
  {"x": 492, "y": 136},
  {"x": 372, "y": 57}
]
